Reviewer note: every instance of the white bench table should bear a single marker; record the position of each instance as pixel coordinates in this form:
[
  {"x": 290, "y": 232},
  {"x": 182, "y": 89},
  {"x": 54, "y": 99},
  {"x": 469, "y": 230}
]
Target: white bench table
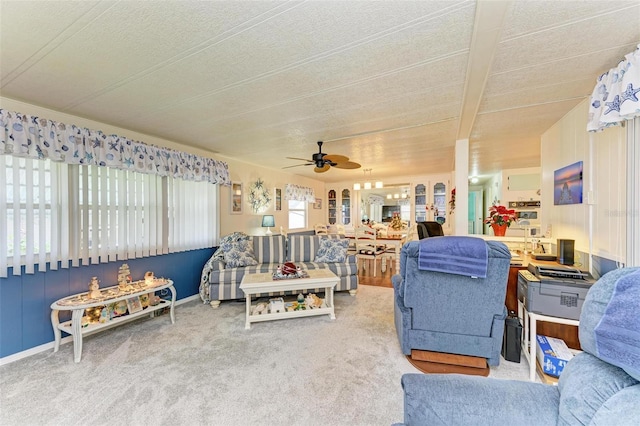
[
  {"x": 253, "y": 284},
  {"x": 77, "y": 303}
]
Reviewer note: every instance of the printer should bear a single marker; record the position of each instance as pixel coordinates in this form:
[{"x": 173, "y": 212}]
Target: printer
[{"x": 553, "y": 289}]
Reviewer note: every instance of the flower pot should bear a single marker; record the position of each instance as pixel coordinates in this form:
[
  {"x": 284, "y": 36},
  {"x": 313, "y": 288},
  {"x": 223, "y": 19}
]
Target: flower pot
[{"x": 499, "y": 230}]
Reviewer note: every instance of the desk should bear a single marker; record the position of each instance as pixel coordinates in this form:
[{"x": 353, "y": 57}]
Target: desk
[{"x": 79, "y": 302}]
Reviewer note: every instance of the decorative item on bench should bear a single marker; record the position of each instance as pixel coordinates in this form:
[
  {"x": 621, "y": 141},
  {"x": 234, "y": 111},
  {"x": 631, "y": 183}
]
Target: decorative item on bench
[
  {"x": 124, "y": 277},
  {"x": 94, "y": 289},
  {"x": 276, "y": 305},
  {"x": 288, "y": 271},
  {"x": 313, "y": 301}
]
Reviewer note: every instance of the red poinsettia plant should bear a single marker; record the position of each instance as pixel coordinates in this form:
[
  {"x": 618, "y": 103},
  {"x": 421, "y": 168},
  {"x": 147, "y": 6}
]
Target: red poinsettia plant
[{"x": 500, "y": 215}]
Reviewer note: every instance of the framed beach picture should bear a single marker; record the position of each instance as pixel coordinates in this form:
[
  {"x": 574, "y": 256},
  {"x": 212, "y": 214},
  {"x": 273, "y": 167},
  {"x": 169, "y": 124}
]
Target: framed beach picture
[
  {"x": 134, "y": 305},
  {"x": 236, "y": 198},
  {"x": 567, "y": 185},
  {"x": 278, "y": 198}
]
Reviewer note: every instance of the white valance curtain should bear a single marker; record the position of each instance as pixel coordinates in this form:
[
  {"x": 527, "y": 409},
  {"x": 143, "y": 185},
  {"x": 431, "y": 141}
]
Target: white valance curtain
[
  {"x": 299, "y": 193},
  {"x": 616, "y": 96},
  {"x": 39, "y": 138},
  {"x": 375, "y": 200}
]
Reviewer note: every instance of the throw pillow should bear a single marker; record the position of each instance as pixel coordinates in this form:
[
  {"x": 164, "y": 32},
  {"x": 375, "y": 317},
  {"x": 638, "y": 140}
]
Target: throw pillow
[
  {"x": 238, "y": 253},
  {"x": 332, "y": 250}
]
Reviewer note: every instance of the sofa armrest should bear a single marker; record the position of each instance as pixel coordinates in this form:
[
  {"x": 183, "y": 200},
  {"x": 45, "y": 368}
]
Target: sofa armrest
[
  {"x": 449, "y": 399},
  {"x": 217, "y": 265}
]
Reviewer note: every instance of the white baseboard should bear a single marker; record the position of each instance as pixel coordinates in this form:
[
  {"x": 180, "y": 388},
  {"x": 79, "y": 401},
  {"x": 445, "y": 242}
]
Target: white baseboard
[{"x": 49, "y": 346}]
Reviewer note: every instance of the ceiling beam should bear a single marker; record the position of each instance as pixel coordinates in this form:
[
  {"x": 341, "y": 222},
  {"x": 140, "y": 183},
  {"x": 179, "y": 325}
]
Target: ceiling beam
[{"x": 487, "y": 28}]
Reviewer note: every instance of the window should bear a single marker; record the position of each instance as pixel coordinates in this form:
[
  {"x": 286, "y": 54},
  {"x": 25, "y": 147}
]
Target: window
[
  {"x": 297, "y": 214},
  {"x": 53, "y": 212}
]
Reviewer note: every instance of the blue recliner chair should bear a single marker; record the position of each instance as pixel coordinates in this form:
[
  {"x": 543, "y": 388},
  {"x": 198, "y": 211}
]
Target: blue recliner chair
[
  {"x": 451, "y": 313},
  {"x": 599, "y": 386}
]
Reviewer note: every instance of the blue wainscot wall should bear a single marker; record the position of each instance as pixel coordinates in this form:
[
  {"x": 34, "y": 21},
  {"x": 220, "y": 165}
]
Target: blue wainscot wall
[{"x": 25, "y": 300}]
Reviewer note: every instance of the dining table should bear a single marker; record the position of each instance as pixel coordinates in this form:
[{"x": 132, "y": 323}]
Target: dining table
[{"x": 396, "y": 241}]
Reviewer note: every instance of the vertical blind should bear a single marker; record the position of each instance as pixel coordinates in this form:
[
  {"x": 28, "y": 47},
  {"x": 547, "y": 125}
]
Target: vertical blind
[{"x": 53, "y": 213}]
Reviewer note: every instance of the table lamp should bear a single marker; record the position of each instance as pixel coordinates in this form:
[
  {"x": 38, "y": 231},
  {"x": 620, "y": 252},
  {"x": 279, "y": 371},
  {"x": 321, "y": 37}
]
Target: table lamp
[{"x": 267, "y": 222}]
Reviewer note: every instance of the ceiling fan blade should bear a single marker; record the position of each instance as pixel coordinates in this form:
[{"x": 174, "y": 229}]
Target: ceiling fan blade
[
  {"x": 321, "y": 169},
  {"x": 347, "y": 165},
  {"x": 298, "y": 165},
  {"x": 334, "y": 158},
  {"x": 301, "y": 159}
]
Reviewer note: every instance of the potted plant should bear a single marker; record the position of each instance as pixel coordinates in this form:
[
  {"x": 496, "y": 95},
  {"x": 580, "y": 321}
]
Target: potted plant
[{"x": 500, "y": 219}]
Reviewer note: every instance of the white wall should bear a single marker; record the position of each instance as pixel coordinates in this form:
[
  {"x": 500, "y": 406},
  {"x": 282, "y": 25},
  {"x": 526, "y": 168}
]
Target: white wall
[
  {"x": 251, "y": 222},
  {"x": 604, "y": 172},
  {"x": 509, "y": 194},
  {"x": 246, "y": 173}
]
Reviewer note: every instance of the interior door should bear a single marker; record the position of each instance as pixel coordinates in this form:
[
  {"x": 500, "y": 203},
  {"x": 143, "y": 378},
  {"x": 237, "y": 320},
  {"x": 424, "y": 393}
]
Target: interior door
[{"x": 475, "y": 212}]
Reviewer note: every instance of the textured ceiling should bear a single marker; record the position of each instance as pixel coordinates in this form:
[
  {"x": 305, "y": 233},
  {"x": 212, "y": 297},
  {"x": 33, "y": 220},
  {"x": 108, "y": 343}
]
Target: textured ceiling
[{"x": 390, "y": 84}]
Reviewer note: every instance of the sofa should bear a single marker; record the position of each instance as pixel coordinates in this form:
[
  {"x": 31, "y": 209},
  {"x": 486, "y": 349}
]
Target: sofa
[
  {"x": 599, "y": 386},
  {"x": 448, "y": 312},
  {"x": 221, "y": 277}
]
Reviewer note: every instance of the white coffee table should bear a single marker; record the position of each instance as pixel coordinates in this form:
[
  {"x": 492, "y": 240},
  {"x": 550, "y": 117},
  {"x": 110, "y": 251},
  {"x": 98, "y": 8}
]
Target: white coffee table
[{"x": 253, "y": 284}]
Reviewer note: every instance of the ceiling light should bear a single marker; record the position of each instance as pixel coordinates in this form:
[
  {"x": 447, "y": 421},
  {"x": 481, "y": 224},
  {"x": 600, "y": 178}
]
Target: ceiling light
[{"x": 474, "y": 180}]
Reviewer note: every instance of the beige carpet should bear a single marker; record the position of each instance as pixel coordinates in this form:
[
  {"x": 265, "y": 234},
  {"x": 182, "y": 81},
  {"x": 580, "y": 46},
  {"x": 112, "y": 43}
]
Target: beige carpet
[{"x": 208, "y": 370}]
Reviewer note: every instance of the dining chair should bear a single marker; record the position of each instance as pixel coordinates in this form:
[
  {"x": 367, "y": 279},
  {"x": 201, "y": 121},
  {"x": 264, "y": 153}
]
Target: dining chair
[
  {"x": 321, "y": 229},
  {"x": 367, "y": 247}
]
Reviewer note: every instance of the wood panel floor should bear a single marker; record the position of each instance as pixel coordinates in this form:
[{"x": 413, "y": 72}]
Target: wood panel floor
[{"x": 382, "y": 279}]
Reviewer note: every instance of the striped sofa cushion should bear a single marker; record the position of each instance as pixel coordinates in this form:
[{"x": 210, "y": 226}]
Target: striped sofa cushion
[
  {"x": 303, "y": 248},
  {"x": 269, "y": 249}
]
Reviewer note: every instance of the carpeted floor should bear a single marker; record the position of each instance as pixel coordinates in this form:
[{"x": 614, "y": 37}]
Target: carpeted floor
[{"x": 208, "y": 370}]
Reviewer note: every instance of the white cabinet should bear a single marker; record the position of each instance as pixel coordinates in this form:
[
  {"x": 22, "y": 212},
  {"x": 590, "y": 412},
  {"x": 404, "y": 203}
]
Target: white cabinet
[
  {"x": 339, "y": 206},
  {"x": 431, "y": 200}
]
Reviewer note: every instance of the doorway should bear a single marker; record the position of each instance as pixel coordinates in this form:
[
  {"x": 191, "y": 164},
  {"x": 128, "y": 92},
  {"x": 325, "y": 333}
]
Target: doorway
[{"x": 475, "y": 211}]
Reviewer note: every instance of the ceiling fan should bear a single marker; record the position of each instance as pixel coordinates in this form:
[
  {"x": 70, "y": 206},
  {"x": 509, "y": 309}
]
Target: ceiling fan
[{"x": 324, "y": 162}]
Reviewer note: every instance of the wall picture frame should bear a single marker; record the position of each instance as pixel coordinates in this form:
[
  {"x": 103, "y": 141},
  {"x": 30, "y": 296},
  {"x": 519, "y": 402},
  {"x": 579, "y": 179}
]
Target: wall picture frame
[
  {"x": 278, "y": 199},
  {"x": 318, "y": 204},
  {"x": 236, "y": 198},
  {"x": 134, "y": 305},
  {"x": 567, "y": 184}
]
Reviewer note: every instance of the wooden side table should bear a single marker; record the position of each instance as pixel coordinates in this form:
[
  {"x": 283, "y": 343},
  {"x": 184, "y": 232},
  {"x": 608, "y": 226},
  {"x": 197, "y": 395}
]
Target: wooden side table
[{"x": 79, "y": 302}]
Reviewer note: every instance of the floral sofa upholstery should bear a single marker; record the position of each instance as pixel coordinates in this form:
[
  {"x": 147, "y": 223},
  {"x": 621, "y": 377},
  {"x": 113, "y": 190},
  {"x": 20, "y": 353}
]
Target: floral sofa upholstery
[{"x": 221, "y": 277}]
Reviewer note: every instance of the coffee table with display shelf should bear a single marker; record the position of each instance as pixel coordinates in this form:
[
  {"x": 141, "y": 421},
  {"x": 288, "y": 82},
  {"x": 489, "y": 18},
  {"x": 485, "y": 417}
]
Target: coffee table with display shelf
[
  {"x": 264, "y": 283},
  {"x": 77, "y": 304}
]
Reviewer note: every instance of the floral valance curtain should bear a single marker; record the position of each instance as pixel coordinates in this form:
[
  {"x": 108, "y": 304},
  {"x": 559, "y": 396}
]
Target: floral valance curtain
[
  {"x": 299, "y": 193},
  {"x": 34, "y": 137},
  {"x": 616, "y": 96}
]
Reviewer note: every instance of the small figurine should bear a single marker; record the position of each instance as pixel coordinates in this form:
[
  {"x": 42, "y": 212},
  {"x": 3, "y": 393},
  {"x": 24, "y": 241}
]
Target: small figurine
[
  {"x": 149, "y": 278},
  {"x": 94, "y": 288},
  {"x": 104, "y": 315},
  {"x": 124, "y": 277}
]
